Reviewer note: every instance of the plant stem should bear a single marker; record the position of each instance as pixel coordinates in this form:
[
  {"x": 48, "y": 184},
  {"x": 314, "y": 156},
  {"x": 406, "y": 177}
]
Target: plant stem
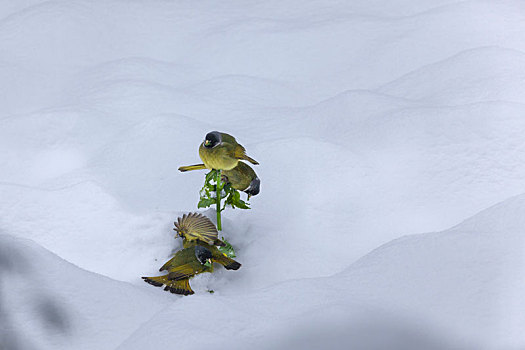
[{"x": 218, "y": 196}]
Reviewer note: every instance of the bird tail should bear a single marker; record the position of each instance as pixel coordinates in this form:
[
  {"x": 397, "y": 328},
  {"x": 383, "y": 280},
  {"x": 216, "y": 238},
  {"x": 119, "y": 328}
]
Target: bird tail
[
  {"x": 192, "y": 167},
  {"x": 228, "y": 263},
  {"x": 177, "y": 287},
  {"x": 251, "y": 160}
]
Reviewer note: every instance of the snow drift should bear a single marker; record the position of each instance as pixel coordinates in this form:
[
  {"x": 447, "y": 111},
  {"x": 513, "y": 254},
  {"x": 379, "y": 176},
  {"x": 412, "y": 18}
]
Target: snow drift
[
  {"x": 440, "y": 290},
  {"x": 371, "y": 120}
]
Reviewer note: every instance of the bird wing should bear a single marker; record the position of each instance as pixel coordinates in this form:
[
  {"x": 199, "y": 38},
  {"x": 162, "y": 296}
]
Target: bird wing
[
  {"x": 227, "y": 138},
  {"x": 182, "y": 272},
  {"x": 194, "y": 226},
  {"x": 180, "y": 258},
  {"x": 240, "y": 153}
]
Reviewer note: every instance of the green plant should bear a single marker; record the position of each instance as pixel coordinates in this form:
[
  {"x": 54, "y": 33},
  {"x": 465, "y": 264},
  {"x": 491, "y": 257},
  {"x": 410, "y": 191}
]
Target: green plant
[
  {"x": 227, "y": 249},
  {"x": 214, "y": 190}
]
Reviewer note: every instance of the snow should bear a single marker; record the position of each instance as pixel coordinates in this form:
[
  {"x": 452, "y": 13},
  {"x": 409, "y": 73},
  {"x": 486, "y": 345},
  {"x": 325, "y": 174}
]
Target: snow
[
  {"x": 373, "y": 121},
  {"x": 49, "y": 303}
]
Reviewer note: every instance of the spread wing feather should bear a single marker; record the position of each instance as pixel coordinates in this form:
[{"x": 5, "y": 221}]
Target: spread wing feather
[{"x": 195, "y": 226}]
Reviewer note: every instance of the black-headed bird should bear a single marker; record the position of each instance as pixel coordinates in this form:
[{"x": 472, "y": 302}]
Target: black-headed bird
[
  {"x": 216, "y": 255},
  {"x": 220, "y": 151},
  {"x": 196, "y": 229},
  {"x": 243, "y": 178},
  {"x": 184, "y": 265}
]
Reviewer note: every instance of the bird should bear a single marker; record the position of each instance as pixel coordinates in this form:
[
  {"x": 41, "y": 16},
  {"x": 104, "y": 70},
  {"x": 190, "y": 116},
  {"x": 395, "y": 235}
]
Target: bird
[
  {"x": 195, "y": 226},
  {"x": 220, "y": 151},
  {"x": 197, "y": 229},
  {"x": 216, "y": 255},
  {"x": 186, "y": 263},
  {"x": 243, "y": 178}
]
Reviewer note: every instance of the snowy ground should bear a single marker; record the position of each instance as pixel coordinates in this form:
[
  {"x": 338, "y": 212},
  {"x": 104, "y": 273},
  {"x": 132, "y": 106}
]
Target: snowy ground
[{"x": 374, "y": 121}]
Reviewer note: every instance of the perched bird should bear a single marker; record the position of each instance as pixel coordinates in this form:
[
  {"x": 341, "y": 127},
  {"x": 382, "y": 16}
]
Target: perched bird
[
  {"x": 221, "y": 151},
  {"x": 194, "y": 226},
  {"x": 243, "y": 178},
  {"x": 184, "y": 265}
]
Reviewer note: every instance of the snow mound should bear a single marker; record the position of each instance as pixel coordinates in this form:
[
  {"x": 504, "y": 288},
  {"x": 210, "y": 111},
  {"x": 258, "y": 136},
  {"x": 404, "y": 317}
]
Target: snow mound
[
  {"x": 48, "y": 303},
  {"x": 471, "y": 76},
  {"x": 371, "y": 119},
  {"x": 444, "y": 290}
]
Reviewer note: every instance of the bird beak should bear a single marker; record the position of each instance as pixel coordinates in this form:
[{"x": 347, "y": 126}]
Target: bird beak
[{"x": 207, "y": 142}]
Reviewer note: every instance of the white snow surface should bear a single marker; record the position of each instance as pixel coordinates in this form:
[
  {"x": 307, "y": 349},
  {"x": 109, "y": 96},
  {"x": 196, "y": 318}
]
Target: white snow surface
[{"x": 374, "y": 121}]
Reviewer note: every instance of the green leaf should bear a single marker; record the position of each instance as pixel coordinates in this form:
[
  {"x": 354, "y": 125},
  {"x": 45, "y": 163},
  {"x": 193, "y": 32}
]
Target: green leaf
[
  {"x": 227, "y": 249},
  {"x": 241, "y": 204},
  {"x": 206, "y": 202},
  {"x": 238, "y": 202},
  {"x": 210, "y": 176},
  {"x": 236, "y": 196},
  {"x": 233, "y": 198}
]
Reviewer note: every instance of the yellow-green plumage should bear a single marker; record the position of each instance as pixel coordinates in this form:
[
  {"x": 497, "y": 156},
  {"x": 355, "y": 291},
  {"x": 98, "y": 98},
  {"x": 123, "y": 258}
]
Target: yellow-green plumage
[
  {"x": 216, "y": 255},
  {"x": 183, "y": 266},
  {"x": 192, "y": 167},
  {"x": 197, "y": 230},
  {"x": 221, "y": 151},
  {"x": 243, "y": 178},
  {"x": 194, "y": 226},
  {"x": 200, "y": 238},
  {"x": 240, "y": 176},
  {"x": 176, "y": 287}
]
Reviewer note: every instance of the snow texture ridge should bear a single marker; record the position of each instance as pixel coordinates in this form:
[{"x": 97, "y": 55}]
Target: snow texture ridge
[{"x": 372, "y": 120}]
